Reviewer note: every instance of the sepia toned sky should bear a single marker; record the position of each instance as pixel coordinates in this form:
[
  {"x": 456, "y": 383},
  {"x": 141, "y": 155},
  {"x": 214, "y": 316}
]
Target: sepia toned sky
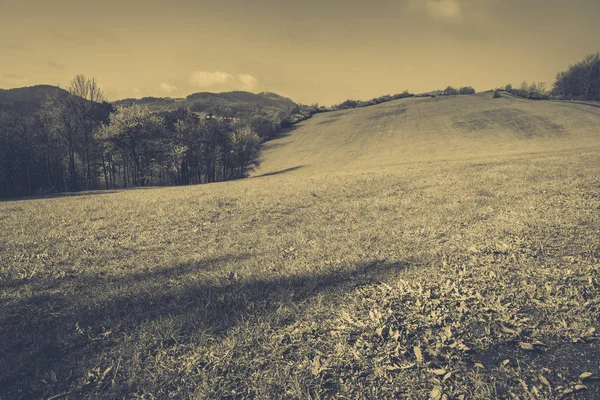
[{"x": 321, "y": 51}]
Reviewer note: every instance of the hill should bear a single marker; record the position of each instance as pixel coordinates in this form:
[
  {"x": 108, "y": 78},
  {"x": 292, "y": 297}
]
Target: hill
[
  {"x": 27, "y": 99},
  {"x": 432, "y": 129},
  {"x": 228, "y": 104},
  {"x": 416, "y": 249}
]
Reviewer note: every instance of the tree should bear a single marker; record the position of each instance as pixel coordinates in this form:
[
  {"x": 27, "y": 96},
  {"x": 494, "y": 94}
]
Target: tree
[
  {"x": 524, "y": 86},
  {"x": 450, "y": 91},
  {"x": 86, "y": 97},
  {"x": 265, "y": 125},
  {"x": 581, "y": 80},
  {"x": 135, "y": 132},
  {"x": 466, "y": 90},
  {"x": 246, "y": 148}
]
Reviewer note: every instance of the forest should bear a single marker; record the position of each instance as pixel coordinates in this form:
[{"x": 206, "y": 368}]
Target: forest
[{"x": 76, "y": 140}]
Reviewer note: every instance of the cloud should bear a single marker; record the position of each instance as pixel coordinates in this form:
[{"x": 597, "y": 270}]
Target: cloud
[
  {"x": 248, "y": 81},
  {"x": 206, "y": 80},
  {"x": 222, "y": 80},
  {"x": 444, "y": 9},
  {"x": 168, "y": 88}
]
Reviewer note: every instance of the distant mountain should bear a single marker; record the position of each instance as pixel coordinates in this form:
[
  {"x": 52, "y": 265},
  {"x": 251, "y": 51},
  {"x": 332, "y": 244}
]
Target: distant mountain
[
  {"x": 27, "y": 99},
  {"x": 228, "y": 104}
]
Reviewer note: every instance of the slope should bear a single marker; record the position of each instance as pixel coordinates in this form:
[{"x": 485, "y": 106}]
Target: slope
[
  {"x": 432, "y": 129},
  {"x": 369, "y": 273},
  {"x": 27, "y": 99}
]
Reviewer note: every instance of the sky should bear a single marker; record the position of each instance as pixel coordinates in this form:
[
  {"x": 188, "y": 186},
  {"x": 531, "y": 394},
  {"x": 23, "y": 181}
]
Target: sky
[{"x": 313, "y": 51}]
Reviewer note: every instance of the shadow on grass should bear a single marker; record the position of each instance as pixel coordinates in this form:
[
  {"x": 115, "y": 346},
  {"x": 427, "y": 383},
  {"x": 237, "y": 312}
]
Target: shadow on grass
[
  {"x": 50, "y": 339},
  {"x": 282, "y": 171},
  {"x": 57, "y": 195}
]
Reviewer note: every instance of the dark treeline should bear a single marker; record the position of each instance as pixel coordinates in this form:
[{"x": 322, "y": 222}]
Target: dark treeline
[
  {"x": 78, "y": 141},
  {"x": 581, "y": 81}
]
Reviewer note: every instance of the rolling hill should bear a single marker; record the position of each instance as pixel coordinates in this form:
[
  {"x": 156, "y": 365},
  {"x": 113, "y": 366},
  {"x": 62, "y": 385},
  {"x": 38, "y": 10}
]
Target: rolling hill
[
  {"x": 27, "y": 99},
  {"x": 230, "y": 104},
  {"x": 433, "y": 129},
  {"x": 444, "y": 248}
]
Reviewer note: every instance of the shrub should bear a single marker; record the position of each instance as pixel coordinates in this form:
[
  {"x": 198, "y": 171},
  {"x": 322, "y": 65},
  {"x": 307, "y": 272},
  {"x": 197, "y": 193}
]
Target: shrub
[
  {"x": 466, "y": 90},
  {"x": 497, "y": 94},
  {"x": 450, "y": 91}
]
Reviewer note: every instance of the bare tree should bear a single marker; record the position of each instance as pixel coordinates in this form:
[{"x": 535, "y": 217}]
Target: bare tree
[{"x": 86, "y": 95}]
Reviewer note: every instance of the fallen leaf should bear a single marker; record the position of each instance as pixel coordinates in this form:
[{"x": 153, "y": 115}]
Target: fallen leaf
[
  {"x": 527, "y": 346},
  {"x": 506, "y": 329},
  {"x": 545, "y": 381},
  {"x": 418, "y": 354},
  {"x": 436, "y": 393},
  {"x": 585, "y": 375},
  {"x": 439, "y": 371}
]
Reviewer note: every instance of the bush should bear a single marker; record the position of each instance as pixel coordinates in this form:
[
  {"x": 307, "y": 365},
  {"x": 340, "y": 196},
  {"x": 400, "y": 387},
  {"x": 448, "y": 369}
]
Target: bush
[
  {"x": 450, "y": 91},
  {"x": 497, "y": 94},
  {"x": 466, "y": 90}
]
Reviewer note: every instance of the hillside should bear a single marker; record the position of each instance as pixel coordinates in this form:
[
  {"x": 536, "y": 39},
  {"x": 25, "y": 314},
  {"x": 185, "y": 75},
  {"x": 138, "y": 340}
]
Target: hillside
[
  {"x": 27, "y": 99},
  {"x": 443, "y": 248},
  {"x": 231, "y": 104},
  {"x": 433, "y": 129}
]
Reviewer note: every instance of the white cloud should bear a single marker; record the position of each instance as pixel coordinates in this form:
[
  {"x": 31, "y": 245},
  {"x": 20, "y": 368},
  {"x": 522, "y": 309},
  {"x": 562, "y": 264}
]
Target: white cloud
[
  {"x": 204, "y": 79},
  {"x": 222, "y": 81},
  {"x": 248, "y": 81},
  {"x": 167, "y": 88},
  {"x": 444, "y": 9}
]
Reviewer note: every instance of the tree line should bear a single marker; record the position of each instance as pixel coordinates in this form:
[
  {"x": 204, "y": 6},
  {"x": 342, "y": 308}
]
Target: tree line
[
  {"x": 78, "y": 141},
  {"x": 581, "y": 81}
]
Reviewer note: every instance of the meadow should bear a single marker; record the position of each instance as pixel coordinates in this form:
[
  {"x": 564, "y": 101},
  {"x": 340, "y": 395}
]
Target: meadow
[{"x": 444, "y": 248}]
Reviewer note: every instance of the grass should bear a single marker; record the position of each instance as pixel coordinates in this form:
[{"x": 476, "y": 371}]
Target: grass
[{"x": 465, "y": 273}]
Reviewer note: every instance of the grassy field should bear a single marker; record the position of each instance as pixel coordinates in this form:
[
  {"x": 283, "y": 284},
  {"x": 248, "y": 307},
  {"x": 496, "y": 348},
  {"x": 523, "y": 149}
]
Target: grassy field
[{"x": 443, "y": 248}]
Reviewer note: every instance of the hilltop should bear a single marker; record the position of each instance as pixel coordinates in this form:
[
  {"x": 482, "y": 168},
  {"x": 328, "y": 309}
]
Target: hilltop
[
  {"x": 228, "y": 104},
  {"x": 27, "y": 99},
  {"x": 428, "y": 129}
]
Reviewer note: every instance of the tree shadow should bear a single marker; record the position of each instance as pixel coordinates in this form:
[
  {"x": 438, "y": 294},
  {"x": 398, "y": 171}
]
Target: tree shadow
[
  {"x": 57, "y": 195},
  {"x": 281, "y": 171},
  {"x": 66, "y": 325},
  {"x": 284, "y": 132}
]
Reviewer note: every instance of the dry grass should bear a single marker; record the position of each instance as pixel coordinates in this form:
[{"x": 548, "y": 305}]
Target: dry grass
[{"x": 474, "y": 277}]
